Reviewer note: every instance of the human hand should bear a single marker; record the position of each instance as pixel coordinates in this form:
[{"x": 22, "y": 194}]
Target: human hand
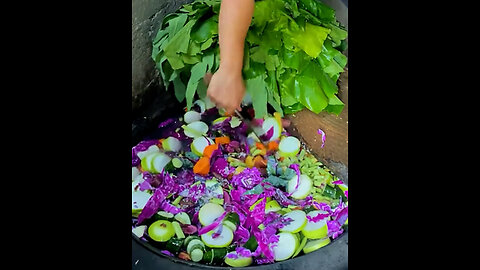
[{"x": 226, "y": 89}]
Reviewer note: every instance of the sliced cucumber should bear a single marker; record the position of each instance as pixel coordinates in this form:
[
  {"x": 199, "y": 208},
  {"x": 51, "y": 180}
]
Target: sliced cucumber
[
  {"x": 289, "y": 147},
  {"x": 159, "y": 161},
  {"x": 146, "y": 162},
  {"x": 286, "y": 246},
  {"x": 277, "y": 128},
  {"x": 135, "y": 173},
  {"x": 305, "y": 187},
  {"x": 316, "y": 230},
  {"x": 192, "y": 116},
  {"x": 214, "y": 255},
  {"x": 209, "y": 212},
  {"x": 190, "y": 238},
  {"x": 300, "y": 247},
  {"x": 223, "y": 240},
  {"x": 199, "y": 144},
  {"x": 313, "y": 245},
  {"x": 196, "y": 255},
  {"x": 177, "y": 163},
  {"x": 195, "y": 244},
  {"x": 299, "y": 220},
  {"x": 151, "y": 149},
  {"x": 238, "y": 262},
  {"x": 178, "y": 230},
  {"x": 272, "y": 206},
  {"x": 171, "y": 144},
  {"x": 161, "y": 230},
  {"x": 139, "y": 231},
  {"x": 164, "y": 214},
  {"x": 183, "y": 218},
  {"x": 139, "y": 199},
  {"x": 195, "y": 129},
  {"x": 231, "y": 220},
  {"x": 219, "y": 120}
]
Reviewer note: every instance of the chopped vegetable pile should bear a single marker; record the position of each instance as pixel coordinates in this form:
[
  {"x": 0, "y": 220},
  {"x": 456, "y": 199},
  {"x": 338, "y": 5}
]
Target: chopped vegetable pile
[{"x": 214, "y": 190}]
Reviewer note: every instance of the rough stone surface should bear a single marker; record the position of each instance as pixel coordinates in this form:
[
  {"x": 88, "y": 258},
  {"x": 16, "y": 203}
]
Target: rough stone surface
[{"x": 147, "y": 15}]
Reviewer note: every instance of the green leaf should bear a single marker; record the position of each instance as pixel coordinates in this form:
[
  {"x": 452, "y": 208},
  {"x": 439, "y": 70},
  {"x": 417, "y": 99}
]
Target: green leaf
[
  {"x": 272, "y": 93},
  {"x": 310, "y": 40},
  {"x": 206, "y": 44},
  {"x": 178, "y": 44},
  {"x": 337, "y": 34},
  {"x": 191, "y": 60},
  {"x": 175, "y": 25},
  {"x": 256, "y": 87},
  {"x": 205, "y": 30},
  {"x": 193, "y": 48},
  {"x": 179, "y": 88},
  {"x": 255, "y": 69},
  {"x": 335, "y": 105},
  {"x": 258, "y": 189},
  {"x": 197, "y": 73},
  {"x": 293, "y": 108},
  {"x": 209, "y": 59}
]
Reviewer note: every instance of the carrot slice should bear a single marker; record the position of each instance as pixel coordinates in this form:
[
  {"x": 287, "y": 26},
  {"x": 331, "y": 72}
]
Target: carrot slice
[
  {"x": 222, "y": 140},
  {"x": 202, "y": 166},
  {"x": 272, "y": 146},
  {"x": 207, "y": 152},
  {"x": 260, "y": 146},
  {"x": 259, "y": 162}
]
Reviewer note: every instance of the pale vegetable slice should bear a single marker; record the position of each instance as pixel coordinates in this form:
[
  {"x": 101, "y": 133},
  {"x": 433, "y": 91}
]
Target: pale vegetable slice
[
  {"x": 238, "y": 262},
  {"x": 135, "y": 173},
  {"x": 199, "y": 144},
  {"x": 165, "y": 214},
  {"x": 272, "y": 206},
  {"x": 178, "y": 230},
  {"x": 200, "y": 104},
  {"x": 195, "y": 129},
  {"x": 304, "y": 188},
  {"x": 285, "y": 247},
  {"x": 177, "y": 163},
  {"x": 147, "y": 161},
  {"x": 194, "y": 244},
  {"x": 277, "y": 128},
  {"x": 159, "y": 161},
  {"x": 254, "y": 137},
  {"x": 316, "y": 230},
  {"x": 209, "y": 212},
  {"x": 299, "y": 220},
  {"x": 171, "y": 144},
  {"x": 151, "y": 149},
  {"x": 313, "y": 245},
  {"x": 222, "y": 240},
  {"x": 139, "y": 199},
  {"x": 183, "y": 218},
  {"x": 192, "y": 116},
  {"x": 219, "y": 120},
  {"x": 300, "y": 247},
  {"x": 196, "y": 255},
  {"x": 289, "y": 147},
  {"x": 139, "y": 231},
  {"x": 161, "y": 230}
]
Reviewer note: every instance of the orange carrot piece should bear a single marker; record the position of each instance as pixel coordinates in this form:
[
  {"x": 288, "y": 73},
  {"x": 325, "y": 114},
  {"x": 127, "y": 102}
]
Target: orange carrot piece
[
  {"x": 222, "y": 140},
  {"x": 202, "y": 166},
  {"x": 259, "y": 162},
  {"x": 272, "y": 146},
  {"x": 207, "y": 152},
  {"x": 259, "y": 146}
]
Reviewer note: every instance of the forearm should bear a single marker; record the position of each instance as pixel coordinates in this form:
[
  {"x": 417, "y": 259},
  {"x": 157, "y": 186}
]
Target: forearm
[{"x": 234, "y": 21}]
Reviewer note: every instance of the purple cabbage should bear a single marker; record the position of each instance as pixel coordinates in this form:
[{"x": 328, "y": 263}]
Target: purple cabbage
[
  {"x": 167, "y": 207},
  {"x": 212, "y": 226},
  {"x": 248, "y": 178},
  {"x": 282, "y": 198},
  {"x": 221, "y": 167},
  {"x": 238, "y": 133},
  {"x": 152, "y": 206},
  {"x": 267, "y": 135},
  {"x": 322, "y": 206},
  {"x": 155, "y": 180},
  {"x": 318, "y": 217},
  {"x": 166, "y": 252},
  {"x": 142, "y": 146},
  {"x": 243, "y": 252},
  {"x": 241, "y": 235}
]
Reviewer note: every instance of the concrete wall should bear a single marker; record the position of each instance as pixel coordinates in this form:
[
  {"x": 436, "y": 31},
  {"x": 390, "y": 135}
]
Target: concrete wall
[{"x": 147, "y": 15}]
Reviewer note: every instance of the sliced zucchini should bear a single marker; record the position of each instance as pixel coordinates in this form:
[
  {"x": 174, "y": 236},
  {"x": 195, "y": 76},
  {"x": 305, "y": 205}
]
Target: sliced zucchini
[
  {"x": 313, "y": 245},
  {"x": 139, "y": 231},
  {"x": 195, "y": 129},
  {"x": 171, "y": 144},
  {"x": 272, "y": 206},
  {"x": 183, "y": 218},
  {"x": 289, "y": 147},
  {"x": 285, "y": 247},
  {"x": 192, "y": 116},
  {"x": 199, "y": 144},
  {"x": 299, "y": 220},
  {"x": 209, "y": 212},
  {"x": 277, "y": 128},
  {"x": 223, "y": 240},
  {"x": 305, "y": 187},
  {"x": 238, "y": 262},
  {"x": 316, "y": 230},
  {"x": 161, "y": 230}
]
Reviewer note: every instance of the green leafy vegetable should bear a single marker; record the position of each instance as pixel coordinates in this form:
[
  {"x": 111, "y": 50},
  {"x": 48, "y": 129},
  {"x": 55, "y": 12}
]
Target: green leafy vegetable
[{"x": 292, "y": 59}]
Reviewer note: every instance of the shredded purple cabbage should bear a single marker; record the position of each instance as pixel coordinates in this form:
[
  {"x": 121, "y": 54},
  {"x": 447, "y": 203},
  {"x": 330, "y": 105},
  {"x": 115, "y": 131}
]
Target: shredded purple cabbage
[
  {"x": 212, "y": 226},
  {"x": 248, "y": 178},
  {"x": 318, "y": 217},
  {"x": 152, "y": 206},
  {"x": 241, "y": 235},
  {"x": 231, "y": 255},
  {"x": 282, "y": 198},
  {"x": 221, "y": 167},
  {"x": 167, "y": 207},
  {"x": 142, "y": 146},
  {"x": 166, "y": 252},
  {"x": 296, "y": 167},
  {"x": 323, "y": 136},
  {"x": 243, "y": 252},
  {"x": 267, "y": 135}
]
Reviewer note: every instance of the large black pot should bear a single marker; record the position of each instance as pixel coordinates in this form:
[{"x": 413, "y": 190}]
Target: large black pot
[{"x": 145, "y": 256}]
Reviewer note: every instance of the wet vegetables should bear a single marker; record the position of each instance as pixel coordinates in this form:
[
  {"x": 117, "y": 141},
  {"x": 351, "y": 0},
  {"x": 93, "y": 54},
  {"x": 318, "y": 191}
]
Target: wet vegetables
[{"x": 233, "y": 198}]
